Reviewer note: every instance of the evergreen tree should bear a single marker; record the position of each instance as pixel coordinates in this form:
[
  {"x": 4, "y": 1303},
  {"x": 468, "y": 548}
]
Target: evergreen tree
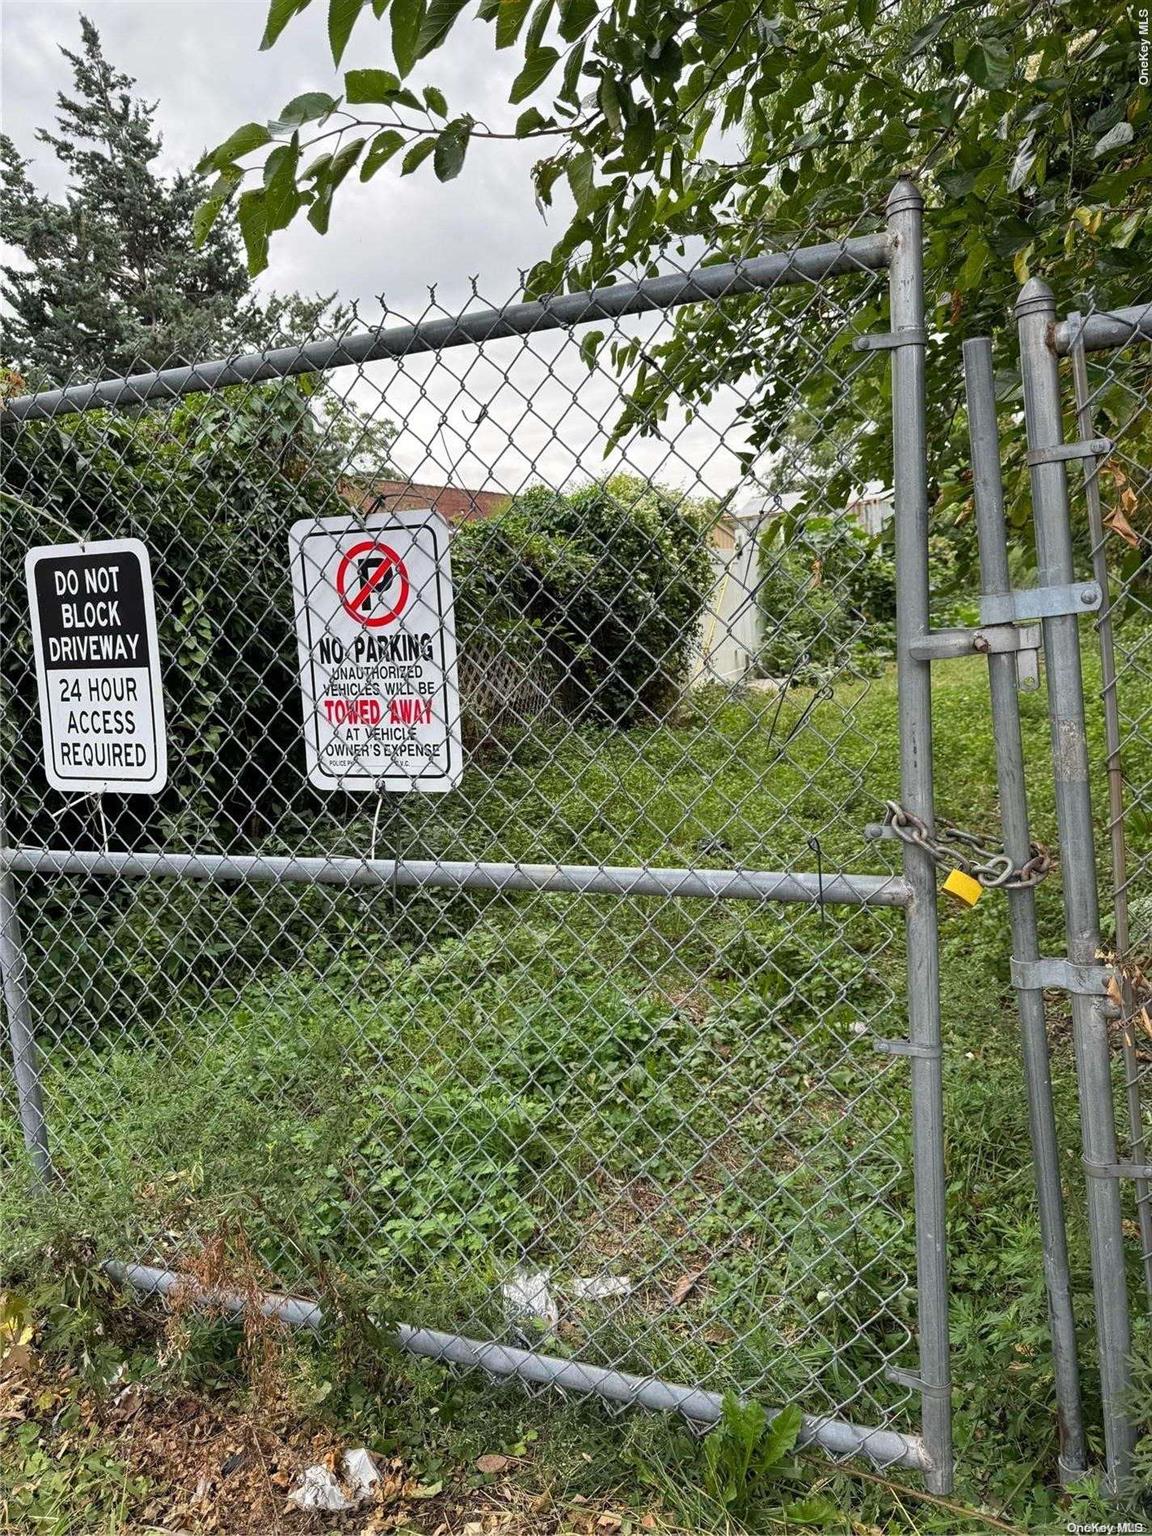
[{"x": 111, "y": 281}]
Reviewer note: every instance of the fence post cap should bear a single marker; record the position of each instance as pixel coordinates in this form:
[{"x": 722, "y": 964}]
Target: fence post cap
[
  {"x": 1035, "y": 298},
  {"x": 905, "y": 194}
]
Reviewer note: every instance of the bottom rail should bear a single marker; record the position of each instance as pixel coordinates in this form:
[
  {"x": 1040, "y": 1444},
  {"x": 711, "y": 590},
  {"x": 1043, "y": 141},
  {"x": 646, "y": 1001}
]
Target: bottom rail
[{"x": 882, "y": 1447}]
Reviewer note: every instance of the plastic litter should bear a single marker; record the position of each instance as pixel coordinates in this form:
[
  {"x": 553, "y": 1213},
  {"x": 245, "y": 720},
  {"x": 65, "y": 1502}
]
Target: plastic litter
[
  {"x": 600, "y": 1287},
  {"x": 360, "y": 1473},
  {"x": 319, "y": 1490},
  {"x": 529, "y": 1302}
]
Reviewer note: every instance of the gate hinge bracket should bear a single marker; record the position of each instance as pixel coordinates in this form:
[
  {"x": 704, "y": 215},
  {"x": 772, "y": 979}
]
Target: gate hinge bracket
[
  {"x": 885, "y": 341},
  {"x": 1093, "y": 448},
  {"x": 1065, "y": 975},
  {"x": 1117, "y": 1170},
  {"x": 1025, "y": 604},
  {"x": 990, "y": 640},
  {"x": 908, "y": 1048}
]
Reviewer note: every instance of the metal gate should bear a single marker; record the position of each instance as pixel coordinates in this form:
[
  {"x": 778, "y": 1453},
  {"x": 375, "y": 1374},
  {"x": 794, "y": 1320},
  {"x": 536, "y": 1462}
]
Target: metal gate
[
  {"x": 616, "y": 1068},
  {"x": 1098, "y": 420}
]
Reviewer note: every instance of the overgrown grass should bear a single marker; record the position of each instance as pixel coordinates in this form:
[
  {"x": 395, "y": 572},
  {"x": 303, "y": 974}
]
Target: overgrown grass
[{"x": 687, "y": 1093}]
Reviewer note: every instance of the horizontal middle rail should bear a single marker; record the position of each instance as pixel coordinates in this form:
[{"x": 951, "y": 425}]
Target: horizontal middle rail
[
  {"x": 834, "y": 889},
  {"x": 557, "y": 312}
]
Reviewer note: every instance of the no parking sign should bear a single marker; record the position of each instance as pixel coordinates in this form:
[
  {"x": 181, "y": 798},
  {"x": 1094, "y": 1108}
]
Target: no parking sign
[{"x": 377, "y": 647}]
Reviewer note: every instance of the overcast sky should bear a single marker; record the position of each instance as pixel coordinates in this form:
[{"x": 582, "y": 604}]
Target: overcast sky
[{"x": 517, "y": 412}]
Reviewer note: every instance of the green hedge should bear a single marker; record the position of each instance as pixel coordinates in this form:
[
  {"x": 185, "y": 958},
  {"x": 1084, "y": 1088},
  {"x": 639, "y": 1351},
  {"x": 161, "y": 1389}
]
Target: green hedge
[{"x": 612, "y": 578}]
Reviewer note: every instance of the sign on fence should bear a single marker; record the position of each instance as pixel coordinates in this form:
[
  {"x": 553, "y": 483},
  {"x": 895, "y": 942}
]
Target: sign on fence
[
  {"x": 377, "y": 648},
  {"x": 98, "y": 667}
]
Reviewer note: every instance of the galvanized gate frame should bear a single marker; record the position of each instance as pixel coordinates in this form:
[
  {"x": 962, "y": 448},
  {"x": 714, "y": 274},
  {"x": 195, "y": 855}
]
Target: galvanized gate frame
[
  {"x": 1043, "y": 342},
  {"x": 899, "y": 250}
]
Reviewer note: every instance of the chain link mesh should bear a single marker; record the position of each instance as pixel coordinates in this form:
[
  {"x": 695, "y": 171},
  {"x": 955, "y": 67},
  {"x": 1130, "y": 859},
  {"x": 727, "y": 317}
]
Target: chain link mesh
[
  {"x": 1112, "y": 394},
  {"x": 649, "y": 1132}
]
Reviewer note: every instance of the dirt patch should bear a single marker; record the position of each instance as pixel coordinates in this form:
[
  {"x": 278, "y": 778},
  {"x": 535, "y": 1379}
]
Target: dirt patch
[{"x": 196, "y": 1467}]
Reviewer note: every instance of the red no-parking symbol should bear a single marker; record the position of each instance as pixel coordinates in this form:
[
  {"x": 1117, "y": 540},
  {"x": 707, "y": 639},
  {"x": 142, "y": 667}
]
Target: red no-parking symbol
[{"x": 372, "y": 582}]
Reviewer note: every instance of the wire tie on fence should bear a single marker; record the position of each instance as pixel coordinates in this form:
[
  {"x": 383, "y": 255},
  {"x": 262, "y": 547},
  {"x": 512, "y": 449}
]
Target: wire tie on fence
[
  {"x": 908, "y": 1048},
  {"x": 1117, "y": 1170},
  {"x": 814, "y": 845},
  {"x": 1092, "y": 448},
  {"x": 902, "y": 1378},
  {"x": 882, "y": 341},
  {"x": 375, "y": 826},
  {"x": 99, "y": 799}
]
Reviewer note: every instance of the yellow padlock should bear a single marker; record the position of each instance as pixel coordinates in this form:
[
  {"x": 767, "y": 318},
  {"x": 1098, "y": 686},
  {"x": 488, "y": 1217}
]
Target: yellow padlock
[{"x": 963, "y": 887}]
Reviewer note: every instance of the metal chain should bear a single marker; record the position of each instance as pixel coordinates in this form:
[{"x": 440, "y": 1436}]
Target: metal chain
[{"x": 985, "y": 863}]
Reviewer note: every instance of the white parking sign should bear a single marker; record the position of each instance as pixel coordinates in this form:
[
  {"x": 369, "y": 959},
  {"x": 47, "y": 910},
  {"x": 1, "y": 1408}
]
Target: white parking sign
[
  {"x": 377, "y": 647},
  {"x": 98, "y": 667}
]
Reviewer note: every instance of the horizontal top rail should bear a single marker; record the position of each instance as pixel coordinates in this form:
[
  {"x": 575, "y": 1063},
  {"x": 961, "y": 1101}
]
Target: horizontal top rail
[
  {"x": 1111, "y": 328},
  {"x": 592, "y": 879},
  {"x": 557, "y": 312}
]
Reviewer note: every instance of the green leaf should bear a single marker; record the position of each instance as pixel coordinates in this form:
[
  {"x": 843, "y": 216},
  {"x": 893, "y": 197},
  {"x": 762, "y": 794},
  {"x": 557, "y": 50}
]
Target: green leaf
[
  {"x": 989, "y": 65},
  {"x": 537, "y": 27},
  {"x": 537, "y": 67},
  {"x": 434, "y": 101},
  {"x": 1115, "y": 138},
  {"x": 363, "y": 85},
  {"x": 253, "y": 230},
  {"x": 345, "y": 159},
  {"x": 380, "y": 151},
  {"x": 573, "y": 64},
  {"x": 321, "y": 210},
  {"x": 303, "y": 109},
  {"x": 609, "y": 98},
  {"x": 590, "y": 344},
  {"x": 416, "y": 155},
  {"x": 1024, "y": 161},
  {"x": 317, "y": 167},
  {"x": 927, "y": 35},
  {"x": 813, "y": 1510},
  {"x": 451, "y": 145},
  {"x": 209, "y": 210},
  {"x": 407, "y": 19},
  {"x": 580, "y": 180},
  {"x": 342, "y": 16},
  {"x": 247, "y": 138},
  {"x": 639, "y": 139},
  {"x": 779, "y": 1437},
  {"x": 528, "y": 121},
  {"x": 439, "y": 20},
  {"x": 280, "y": 13},
  {"x": 575, "y": 17},
  {"x": 282, "y": 198},
  {"x": 509, "y": 21}
]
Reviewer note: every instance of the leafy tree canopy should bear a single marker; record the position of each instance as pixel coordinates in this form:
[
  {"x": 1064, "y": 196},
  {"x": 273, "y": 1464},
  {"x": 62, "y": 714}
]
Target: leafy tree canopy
[
  {"x": 722, "y": 123},
  {"x": 1026, "y": 123},
  {"x": 110, "y": 280}
]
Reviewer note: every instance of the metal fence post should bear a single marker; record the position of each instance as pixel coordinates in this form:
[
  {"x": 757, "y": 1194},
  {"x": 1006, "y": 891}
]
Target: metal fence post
[
  {"x": 21, "y": 1033},
  {"x": 1035, "y": 314},
  {"x": 910, "y": 488},
  {"x": 1002, "y": 681}
]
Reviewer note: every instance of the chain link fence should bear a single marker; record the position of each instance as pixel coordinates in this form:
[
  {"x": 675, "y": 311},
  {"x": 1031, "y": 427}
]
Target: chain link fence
[{"x": 579, "y": 1059}]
